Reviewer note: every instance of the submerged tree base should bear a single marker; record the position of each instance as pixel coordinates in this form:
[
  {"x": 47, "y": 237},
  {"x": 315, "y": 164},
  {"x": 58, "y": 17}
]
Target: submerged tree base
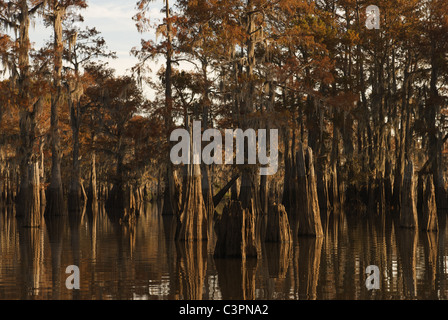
[
  {"x": 408, "y": 209},
  {"x": 121, "y": 205},
  {"x": 278, "y": 229},
  {"x": 55, "y": 205},
  {"x": 235, "y": 230},
  {"x": 75, "y": 203},
  {"x": 192, "y": 224},
  {"x": 429, "y": 207}
]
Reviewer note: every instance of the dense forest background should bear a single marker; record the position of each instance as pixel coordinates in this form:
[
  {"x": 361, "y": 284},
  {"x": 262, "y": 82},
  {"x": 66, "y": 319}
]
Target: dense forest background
[{"x": 361, "y": 114}]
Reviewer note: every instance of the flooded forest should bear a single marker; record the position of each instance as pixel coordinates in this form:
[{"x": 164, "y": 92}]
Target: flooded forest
[{"x": 359, "y": 101}]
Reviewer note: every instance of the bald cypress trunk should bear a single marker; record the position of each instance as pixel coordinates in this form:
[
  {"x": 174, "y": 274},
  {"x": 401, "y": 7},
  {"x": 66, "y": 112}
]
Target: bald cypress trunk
[
  {"x": 434, "y": 132},
  {"x": 55, "y": 197},
  {"x": 75, "y": 202},
  {"x": 28, "y": 199},
  {"x": 192, "y": 224},
  {"x": 278, "y": 229},
  {"x": 429, "y": 206},
  {"x": 171, "y": 202},
  {"x": 308, "y": 212},
  {"x": 92, "y": 196},
  {"x": 408, "y": 208},
  {"x": 235, "y": 232}
]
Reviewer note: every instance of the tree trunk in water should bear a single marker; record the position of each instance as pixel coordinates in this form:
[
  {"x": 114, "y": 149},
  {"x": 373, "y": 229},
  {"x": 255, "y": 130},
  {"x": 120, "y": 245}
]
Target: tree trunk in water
[
  {"x": 31, "y": 209},
  {"x": 334, "y": 187},
  {"x": 434, "y": 132},
  {"x": 289, "y": 184},
  {"x": 429, "y": 206},
  {"x": 28, "y": 200},
  {"x": 74, "y": 96},
  {"x": 278, "y": 229},
  {"x": 55, "y": 197},
  {"x": 120, "y": 201},
  {"x": 388, "y": 183},
  {"x": 192, "y": 225},
  {"x": 42, "y": 176},
  {"x": 235, "y": 232},
  {"x": 408, "y": 208},
  {"x": 75, "y": 203},
  {"x": 92, "y": 197},
  {"x": 192, "y": 218},
  {"x": 207, "y": 187},
  {"x": 308, "y": 214},
  {"x": 323, "y": 179},
  {"x": 207, "y": 192},
  {"x": 171, "y": 203}
]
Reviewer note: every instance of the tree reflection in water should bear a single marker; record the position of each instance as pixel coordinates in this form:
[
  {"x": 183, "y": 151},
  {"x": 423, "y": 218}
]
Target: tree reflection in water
[{"x": 141, "y": 260}]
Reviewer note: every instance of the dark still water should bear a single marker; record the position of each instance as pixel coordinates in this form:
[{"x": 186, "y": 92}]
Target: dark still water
[{"x": 144, "y": 262}]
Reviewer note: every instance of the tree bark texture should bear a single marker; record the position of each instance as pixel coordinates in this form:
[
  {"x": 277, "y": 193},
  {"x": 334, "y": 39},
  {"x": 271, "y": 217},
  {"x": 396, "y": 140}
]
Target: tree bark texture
[{"x": 408, "y": 208}]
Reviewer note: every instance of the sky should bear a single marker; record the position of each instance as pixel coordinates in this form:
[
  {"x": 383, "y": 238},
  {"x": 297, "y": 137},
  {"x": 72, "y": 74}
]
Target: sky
[{"x": 113, "y": 18}]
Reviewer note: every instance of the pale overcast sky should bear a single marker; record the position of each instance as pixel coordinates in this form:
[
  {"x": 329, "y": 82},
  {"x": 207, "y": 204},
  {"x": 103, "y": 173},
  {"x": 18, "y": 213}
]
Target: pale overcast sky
[{"x": 113, "y": 18}]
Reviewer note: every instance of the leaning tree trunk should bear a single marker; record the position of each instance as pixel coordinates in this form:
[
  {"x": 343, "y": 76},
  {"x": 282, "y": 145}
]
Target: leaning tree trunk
[
  {"x": 408, "y": 208},
  {"x": 55, "y": 196}
]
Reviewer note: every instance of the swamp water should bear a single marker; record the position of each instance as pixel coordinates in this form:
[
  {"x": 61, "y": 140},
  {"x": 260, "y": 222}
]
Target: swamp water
[{"x": 144, "y": 262}]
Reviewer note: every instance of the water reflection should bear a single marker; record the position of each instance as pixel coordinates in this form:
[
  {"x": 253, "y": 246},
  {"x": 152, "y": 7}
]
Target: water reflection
[
  {"x": 140, "y": 260},
  {"x": 192, "y": 265},
  {"x": 307, "y": 262},
  {"x": 430, "y": 244},
  {"x": 407, "y": 248},
  {"x": 55, "y": 227},
  {"x": 30, "y": 242}
]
